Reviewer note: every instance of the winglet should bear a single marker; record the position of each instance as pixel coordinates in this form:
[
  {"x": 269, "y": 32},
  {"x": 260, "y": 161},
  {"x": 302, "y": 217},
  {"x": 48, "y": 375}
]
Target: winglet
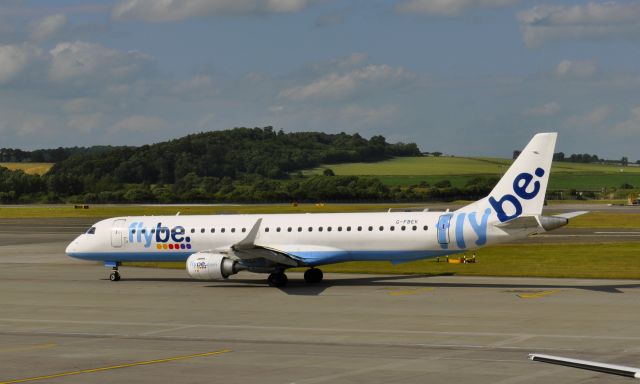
[{"x": 249, "y": 241}]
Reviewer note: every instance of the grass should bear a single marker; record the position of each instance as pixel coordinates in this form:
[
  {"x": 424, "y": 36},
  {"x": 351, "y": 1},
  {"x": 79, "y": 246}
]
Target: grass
[
  {"x": 606, "y": 261},
  {"x": 30, "y": 168},
  {"x": 405, "y": 171},
  {"x": 601, "y": 261},
  {"x": 105, "y": 211}
]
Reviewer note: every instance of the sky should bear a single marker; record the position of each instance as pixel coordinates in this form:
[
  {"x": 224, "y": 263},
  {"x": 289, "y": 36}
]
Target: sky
[{"x": 464, "y": 77}]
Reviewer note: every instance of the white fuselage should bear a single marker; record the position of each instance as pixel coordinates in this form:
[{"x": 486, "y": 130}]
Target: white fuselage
[{"x": 313, "y": 239}]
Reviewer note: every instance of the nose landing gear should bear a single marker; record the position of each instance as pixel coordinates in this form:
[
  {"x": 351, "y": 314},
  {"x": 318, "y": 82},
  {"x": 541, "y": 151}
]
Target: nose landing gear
[{"x": 115, "y": 275}]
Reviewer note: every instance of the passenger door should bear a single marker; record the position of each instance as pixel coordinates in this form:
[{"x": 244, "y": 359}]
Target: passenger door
[
  {"x": 443, "y": 230},
  {"x": 117, "y": 232}
]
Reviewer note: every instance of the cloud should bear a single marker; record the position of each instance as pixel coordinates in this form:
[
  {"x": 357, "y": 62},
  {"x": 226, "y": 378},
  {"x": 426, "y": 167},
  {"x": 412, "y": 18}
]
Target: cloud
[
  {"x": 592, "y": 21},
  {"x": 448, "y": 7},
  {"x": 339, "y": 86},
  {"x": 575, "y": 69},
  {"x": 547, "y": 109},
  {"x": 139, "y": 123},
  {"x": 593, "y": 118},
  {"x": 15, "y": 60},
  {"x": 85, "y": 122},
  {"x": 81, "y": 63},
  {"x": 331, "y": 18},
  {"x": 48, "y": 27},
  {"x": 176, "y": 10},
  {"x": 195, "y": 86},
  {"x": 630, "y": 126}
]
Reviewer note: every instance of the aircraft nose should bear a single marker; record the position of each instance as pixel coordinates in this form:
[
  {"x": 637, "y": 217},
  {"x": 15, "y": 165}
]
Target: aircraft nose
[{"x": 73, "y": 246}]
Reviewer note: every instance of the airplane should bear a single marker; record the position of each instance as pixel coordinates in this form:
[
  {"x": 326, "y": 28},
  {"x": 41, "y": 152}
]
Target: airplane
[{"x": 215, "y": 247}]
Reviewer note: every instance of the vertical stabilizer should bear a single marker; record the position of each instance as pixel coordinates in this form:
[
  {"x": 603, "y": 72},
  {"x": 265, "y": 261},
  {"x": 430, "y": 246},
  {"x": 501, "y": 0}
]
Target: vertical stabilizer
[{"x": 522, "y": 189}]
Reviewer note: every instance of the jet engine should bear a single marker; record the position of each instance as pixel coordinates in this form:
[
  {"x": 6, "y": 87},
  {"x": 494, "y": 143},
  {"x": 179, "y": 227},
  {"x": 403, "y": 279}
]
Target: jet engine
[{"x": 211, "y": 266}]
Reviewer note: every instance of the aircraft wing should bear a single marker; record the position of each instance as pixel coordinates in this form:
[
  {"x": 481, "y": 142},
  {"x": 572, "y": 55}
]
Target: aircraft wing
[
  {"x": 612, "y": 369},
  {"x": 247, "y": 249}
]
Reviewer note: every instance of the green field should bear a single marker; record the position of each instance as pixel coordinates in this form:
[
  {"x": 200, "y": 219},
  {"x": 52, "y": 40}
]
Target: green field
[
  {"x": 30, "y": 168},
  {"x": 405, "y": 171},
  {"x": 104, "y": 211}
]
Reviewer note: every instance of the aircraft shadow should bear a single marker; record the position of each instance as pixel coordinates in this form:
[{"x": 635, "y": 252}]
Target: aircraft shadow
[{"x": 300, "y": 288}]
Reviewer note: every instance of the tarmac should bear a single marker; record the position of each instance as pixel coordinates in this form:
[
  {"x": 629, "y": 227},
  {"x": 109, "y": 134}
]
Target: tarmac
[{"x": 62, "y": 321}]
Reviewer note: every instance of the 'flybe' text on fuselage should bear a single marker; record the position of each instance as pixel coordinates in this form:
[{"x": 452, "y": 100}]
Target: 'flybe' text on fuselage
[{"x": 159, "y": 234}]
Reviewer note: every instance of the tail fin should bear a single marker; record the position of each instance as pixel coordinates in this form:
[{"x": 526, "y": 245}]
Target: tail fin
[{"x": 521, "y": 191}]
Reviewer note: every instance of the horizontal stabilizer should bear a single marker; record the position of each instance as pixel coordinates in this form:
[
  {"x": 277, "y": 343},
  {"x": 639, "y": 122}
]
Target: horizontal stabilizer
[
  {"x": 522, "y": 222},
  {"x": 570, "y": 215},
  {"x": 612, "y": 369}
]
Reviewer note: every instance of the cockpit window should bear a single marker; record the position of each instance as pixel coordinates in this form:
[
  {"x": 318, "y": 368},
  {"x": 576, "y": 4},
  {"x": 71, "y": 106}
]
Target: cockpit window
[{"x": 91, "y": 231}]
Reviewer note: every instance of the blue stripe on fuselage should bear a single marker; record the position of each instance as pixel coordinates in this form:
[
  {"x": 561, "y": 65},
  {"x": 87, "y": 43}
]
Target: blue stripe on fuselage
[
  {"x": 132, "y": 256},
  {"x": 310, "y": 258}
]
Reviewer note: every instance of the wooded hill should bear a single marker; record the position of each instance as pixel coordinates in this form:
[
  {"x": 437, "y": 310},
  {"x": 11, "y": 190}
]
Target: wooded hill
[{"x": 241, "y": 164}]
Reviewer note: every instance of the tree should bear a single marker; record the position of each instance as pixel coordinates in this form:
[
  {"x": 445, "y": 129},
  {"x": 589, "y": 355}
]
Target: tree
[{"x": 328, "y": 172}]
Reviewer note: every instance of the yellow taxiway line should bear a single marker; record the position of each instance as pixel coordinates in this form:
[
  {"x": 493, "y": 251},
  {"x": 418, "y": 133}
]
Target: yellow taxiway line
[
  {"x": 406, "y": 292},
  {"x": 82, "y": 371},
  {"x": 533, "y": 295}
]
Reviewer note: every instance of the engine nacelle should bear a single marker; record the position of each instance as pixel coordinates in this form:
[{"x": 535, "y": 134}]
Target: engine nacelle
[{"x": 211, "y": 266}]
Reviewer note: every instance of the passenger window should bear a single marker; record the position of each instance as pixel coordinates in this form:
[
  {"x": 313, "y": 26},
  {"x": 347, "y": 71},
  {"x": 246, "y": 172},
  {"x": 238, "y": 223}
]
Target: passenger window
[
  {"x": 328, "y": 229},
  {"x": 193, "y": 230},
  {"x": 310, "y": 229},
  {"x": 348, "y": 229},
  {"x": 392, "y": 228},
  {"x": 299, "y": 229},
  {"x": 289, "y": 229},
  {"x": 370, "y": 228},
  {"x": 133, "y": 231},
  {"x": 233, "y": 230},
  {"x": 425, "y": 227},
  {"x": 403, "y": 227},
  {"x": 213, "y": 230},
  {"x": 359, "y": 229},
  {"x": 381, "y": 228},
  {"x": 144, "y": 231},
  {"x": 414, "y": 227},
  {"x": 278, "y": 229},
  {"x": 202, "y": 230},
  {"x": 153, "y": 230},
  {"x": 244, "y": 230},
  {"x": 339, "y": 229},
  {"x": 320, "y": 229},
  {"x": 266, "y": 229},
  {"x": 222, "y": 230}
]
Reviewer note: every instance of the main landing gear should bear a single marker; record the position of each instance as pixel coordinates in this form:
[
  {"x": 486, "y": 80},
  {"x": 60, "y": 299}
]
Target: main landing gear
[
  {"x": 313, "y": 276},
  {"x": 279, "y": 279}
]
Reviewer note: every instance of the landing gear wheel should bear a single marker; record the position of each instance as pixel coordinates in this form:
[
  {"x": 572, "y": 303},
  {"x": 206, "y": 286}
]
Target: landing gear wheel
[
  {"x": 277, "y": 280},
  {"x": 114, "y": 276},
  {"x": 313, "y": 276}
]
